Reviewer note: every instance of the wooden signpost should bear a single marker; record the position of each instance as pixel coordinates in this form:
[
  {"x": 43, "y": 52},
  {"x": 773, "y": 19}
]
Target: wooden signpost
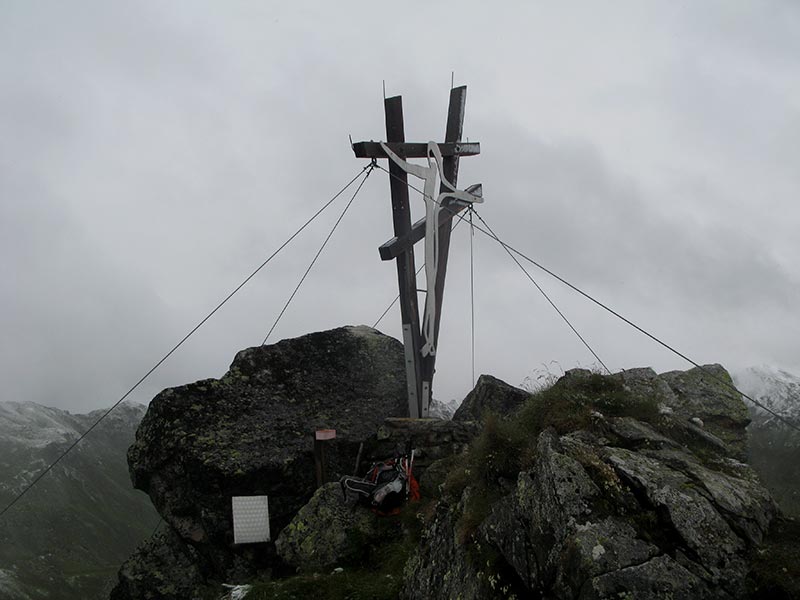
[
  {"x": 420, "y": 342},
  {"x": 321, "y": 439}
]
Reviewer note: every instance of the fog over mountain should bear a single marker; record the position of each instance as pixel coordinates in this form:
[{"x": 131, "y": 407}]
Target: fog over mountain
[
  {"x": 65, "y": 538},
  {"x": 152, "y": 154},
  {"x": 775, "y": 389},
  {"x": 775, "y": 446}
]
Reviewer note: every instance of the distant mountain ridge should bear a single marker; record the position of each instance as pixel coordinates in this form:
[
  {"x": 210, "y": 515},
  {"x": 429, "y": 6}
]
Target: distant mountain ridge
[
  {"x": 774, "y": 446},
  {"x": 775, "y": 388},
  {"x": 66, "y": 536}
]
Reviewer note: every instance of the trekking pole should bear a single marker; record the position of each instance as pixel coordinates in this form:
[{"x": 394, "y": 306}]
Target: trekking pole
[{"x": 358, "y": 459}]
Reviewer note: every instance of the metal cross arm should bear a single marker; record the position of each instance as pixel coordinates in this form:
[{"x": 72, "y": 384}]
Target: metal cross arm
[
  {"x": 414, "y": 149},
  {"x": 397, "y": 245}
]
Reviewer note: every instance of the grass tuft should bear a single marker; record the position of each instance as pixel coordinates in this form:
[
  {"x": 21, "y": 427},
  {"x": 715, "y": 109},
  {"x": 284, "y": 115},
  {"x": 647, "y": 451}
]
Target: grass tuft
[{"x": 507, "y": 446}]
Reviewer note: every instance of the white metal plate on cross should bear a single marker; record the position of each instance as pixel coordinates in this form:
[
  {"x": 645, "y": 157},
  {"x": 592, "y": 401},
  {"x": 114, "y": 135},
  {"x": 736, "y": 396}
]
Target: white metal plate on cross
[{"x": 433, "y": 205}]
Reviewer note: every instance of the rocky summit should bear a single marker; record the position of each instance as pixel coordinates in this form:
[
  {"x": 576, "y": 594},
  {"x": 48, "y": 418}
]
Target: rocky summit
[
  {"x": 632, "y": 485},
  {"x": 602, "y": 487}
]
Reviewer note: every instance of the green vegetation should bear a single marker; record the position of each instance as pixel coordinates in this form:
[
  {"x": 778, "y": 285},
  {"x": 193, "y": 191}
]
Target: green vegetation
[
  {"x": 567, "y": 406},
  {"x": 349, "y": 584},
  {"x": 69, "y": 536},
  {"x": 496, "y": 457},
  {"x": 375, "y": 574},
  {"x": 775, "y": 570},
  {"x": 775, "y": 455},
  {"x": 507, "y": 446}
]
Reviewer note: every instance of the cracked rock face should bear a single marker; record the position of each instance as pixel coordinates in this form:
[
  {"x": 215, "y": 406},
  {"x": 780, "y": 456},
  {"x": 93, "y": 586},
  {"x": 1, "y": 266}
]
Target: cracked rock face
[
  {"x": 442, "y": 568},
  {"x": 705, "y": 395},
  {"x": 704, "y": 534},
  {"x": 621, "y": 508}
]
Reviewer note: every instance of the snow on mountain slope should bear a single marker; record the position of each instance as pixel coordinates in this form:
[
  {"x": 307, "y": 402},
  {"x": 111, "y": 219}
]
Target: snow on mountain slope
[
  {"x": 774, "y": 447},
  {"x": 443, "y": 409},
  {"x": 34, "y": 426},
  {"x": 776, "y": 389}
]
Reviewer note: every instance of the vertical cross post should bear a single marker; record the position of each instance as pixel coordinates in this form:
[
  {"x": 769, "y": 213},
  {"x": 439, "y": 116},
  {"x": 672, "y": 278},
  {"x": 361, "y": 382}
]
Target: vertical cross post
[
  {"x": 420, "y": 369},
  {"x": 406, "y": 271},
  {"x": 453, "y": 131}
]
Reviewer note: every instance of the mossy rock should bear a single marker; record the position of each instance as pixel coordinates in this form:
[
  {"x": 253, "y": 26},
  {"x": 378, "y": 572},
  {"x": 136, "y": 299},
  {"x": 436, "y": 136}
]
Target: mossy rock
[
  {"x": 251, "y": 433},
  {"x": 708, "y": 394},
  {"x": 435, "y": 475},
  {"x": 326, "y": 532}
]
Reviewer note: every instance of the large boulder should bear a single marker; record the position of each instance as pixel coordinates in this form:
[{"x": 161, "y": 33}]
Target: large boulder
[
  {"x": 251, "y": 433},
  {"x": 490, "y": 395},
  {"x": 707, "y": 396},
  {"x": 327, "y": 531},
  {"x": 432, "y": 479},
  {"x": 163, "y": 568}
]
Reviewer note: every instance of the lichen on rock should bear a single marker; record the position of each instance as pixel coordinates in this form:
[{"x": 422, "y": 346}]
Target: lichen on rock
[
  {"x": 251, "y": 433},
  {"x": 630, "y": 485},
  {"x": 708, "y": 394},
  {"x": 327, "y": 531},
  {"x": 613, "y": 502}
]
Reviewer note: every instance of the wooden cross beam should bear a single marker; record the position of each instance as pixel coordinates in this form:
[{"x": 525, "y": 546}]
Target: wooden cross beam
[
  {"x": 414, "y": 150},
  {"x": 420, "y": 369},
  {"x": 396, "y": 246}
]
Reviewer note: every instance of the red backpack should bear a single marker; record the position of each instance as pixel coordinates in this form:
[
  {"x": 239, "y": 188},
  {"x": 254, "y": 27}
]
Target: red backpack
[{"x": 387, "y": 485}]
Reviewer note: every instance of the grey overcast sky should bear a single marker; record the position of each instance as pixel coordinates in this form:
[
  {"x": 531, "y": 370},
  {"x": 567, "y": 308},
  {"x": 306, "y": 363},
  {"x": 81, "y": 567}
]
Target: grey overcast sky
[{"x": 153, "y": 153}]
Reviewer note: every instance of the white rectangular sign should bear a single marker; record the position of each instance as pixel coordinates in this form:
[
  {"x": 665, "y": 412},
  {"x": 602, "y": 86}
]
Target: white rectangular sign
[{"x": 250, "y": 519}]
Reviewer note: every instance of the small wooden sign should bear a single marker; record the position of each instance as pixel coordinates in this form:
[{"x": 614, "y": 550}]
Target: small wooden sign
[{"x": 325, "y": 434}]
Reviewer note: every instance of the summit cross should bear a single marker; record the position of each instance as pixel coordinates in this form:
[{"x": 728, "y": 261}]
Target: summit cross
[{"x": 421, "y": 340}]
